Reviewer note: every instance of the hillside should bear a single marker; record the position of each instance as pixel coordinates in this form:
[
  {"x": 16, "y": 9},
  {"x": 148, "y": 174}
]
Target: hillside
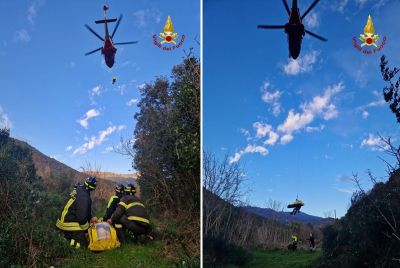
[
  {"x": 369, "y": 234},
  {"x": 47, "y": 167},
  {"x": 285, "y": 217}
]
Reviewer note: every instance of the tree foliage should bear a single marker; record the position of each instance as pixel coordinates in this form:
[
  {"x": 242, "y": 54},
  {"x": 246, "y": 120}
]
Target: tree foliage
[
  {"x": 166, "y": 145},
  {"x": 27, "y": 236},
  {"x": 391, "y": 92}
]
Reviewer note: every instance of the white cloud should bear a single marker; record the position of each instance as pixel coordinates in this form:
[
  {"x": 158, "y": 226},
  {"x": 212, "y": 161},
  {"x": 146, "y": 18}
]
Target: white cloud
[
  {"x": 345, "y": 190},
  {"x": 122, "y": 89},
  {"x": 146, "y": 16},
  {"x": 344, "y": 178},
  {"x": 141, "y": 86},
  {"x": 319, "y": 106},
  {"x": 109, "y": 149},
  {"x": 286, "y": 138},
  {"x": 121, "y": 127},
  {"x": 132, "y": 102},
  {"x": 248, "y": 150},
  {"x": 312, "y": 20},
  {"x": 96, "y": 91},
  {"x": 271, "y": 98},
  {"x": 33, "y": 9},
  {"x": 315, "y": 129},
  {"x": 302, "y": 64},
  {"x": 96, "y": 141},
  {"x": 272, "y": 138},
  {"x": 5, "y": 121},
  {"x": 374, "y": 143},
  {"x": 246, "y": 133},
  {"x": 360, "y": 3},
  {"x": 339, "y": 5},
  {"x": 373, "y": 104},
  {"x": 84, "y": 122},
  {"x": 261, "y": 129},
  {"x": 69, "y": 148},
  {"x": 22, "y": 35}
]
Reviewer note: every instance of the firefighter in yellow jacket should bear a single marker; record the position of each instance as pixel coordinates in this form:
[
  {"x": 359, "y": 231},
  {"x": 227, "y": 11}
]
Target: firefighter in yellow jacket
[
  {"x": 131, "y": 214},
  {"x": 114, "y": 201},
  {"x": 77, "y": 213}
]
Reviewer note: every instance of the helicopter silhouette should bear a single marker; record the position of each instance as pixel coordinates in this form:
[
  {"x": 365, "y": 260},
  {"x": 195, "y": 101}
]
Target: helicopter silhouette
[
  {"x": 295, "y": 27},
  {"x": 108, "y": 49}
]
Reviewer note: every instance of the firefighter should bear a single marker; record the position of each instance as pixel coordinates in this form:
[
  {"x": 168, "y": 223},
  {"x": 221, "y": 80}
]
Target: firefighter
[
  {"x": 131, "y": 215},
  {"x": 77, "y": 213},
  {"x": 293, "y": 245},
  {"x": 114, "y": 200}
]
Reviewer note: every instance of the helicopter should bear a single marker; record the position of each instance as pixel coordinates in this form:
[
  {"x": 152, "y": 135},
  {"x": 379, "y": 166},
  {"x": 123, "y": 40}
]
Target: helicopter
[
  {"x": 108, "y": 49},
  {"x": 295, "y": 27}
]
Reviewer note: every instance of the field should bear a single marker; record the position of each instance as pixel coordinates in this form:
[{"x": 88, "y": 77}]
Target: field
[
  {"x": 128, "y": 255},
  {"x": 283, "y": 258}
]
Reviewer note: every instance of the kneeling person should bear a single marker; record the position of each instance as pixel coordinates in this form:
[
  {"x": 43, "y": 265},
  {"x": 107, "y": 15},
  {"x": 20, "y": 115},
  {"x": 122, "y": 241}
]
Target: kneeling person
[
  {"x": 114, "y": 201},
  {"x": 131, "y": 214}
]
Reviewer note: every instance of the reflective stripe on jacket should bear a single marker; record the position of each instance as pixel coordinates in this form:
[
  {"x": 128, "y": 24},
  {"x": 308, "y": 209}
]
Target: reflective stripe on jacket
[
  {"x": 134, "y": 210},
  {"x": 111, "y": 206},
  {"x": 77, "y": 212}
]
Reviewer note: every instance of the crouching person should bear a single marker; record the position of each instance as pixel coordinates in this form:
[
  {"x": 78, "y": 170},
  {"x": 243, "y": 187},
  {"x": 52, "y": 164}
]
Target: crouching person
[
  {"x": 77, "y": 213},
  {"x": 131, "y": 215}
]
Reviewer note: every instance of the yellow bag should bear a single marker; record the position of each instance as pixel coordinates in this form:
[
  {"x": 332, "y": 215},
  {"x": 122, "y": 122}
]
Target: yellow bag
[{"x": 102, "y": 236}]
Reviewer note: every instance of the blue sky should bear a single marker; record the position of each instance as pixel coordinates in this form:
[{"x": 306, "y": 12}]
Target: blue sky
[
  {"x": 62, "y": 102},
  {"x": 298, "y": 127}
]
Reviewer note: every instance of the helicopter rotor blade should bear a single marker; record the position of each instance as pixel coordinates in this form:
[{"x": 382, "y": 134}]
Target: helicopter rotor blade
[
  {"x": 316, "y": 36},
  {"x": 93, "y": 51},
  {"x": 93, "y": 32},
  {"x": 271, "y": 26},
  {"x": 286, "y": 6},
  {"x": 126, "y": 43},
  {"x": 309, "y": 9},
  {"x": 116, "y": 26}
]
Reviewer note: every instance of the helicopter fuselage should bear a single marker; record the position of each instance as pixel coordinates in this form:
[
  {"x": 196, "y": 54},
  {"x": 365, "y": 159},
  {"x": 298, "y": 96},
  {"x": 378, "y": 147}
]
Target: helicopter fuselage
[
  {"x": 108, "y": 49},
  {"x": 295, "y": 31}
]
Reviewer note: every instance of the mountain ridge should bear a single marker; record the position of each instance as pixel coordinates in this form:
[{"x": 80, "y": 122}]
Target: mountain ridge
[{"x": 286, "y": 217}]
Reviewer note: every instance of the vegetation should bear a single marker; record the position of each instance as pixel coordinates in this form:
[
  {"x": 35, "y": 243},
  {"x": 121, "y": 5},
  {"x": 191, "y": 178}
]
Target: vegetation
[
  {"x": 27, "y": 236},
  {"x": 283, "y": 259},
  {"x": 33, "y": 188},
  {"x": 166, "y": 154},
  {"x": 369, "y": 234},
  {"x": 230, "y": 233},
  {"x": 391, "y": 92}
]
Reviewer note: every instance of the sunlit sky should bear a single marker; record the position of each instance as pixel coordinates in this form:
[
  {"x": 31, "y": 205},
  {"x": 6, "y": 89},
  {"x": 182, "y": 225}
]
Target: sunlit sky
[
  {"x": 298, "y": 127},
  {"x": 62, "y": 102}
]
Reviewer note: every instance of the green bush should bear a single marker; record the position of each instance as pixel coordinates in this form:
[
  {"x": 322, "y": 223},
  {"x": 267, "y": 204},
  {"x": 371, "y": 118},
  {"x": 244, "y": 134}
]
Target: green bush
[
  {"x": 28, "y": 235},
  {"x": 365, "y": 237},
  {"x": 217, "y": 252}
]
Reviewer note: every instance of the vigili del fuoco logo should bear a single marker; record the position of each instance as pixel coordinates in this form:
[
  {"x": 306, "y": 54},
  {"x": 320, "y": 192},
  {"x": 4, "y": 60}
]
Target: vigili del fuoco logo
[
  {"x": 369, "y": 40},
  {"x": 169, "y": 38}
]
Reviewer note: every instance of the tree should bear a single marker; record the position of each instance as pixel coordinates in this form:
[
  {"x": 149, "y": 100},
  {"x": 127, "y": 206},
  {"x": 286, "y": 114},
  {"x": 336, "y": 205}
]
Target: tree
[{"x": 391, "y": 92}]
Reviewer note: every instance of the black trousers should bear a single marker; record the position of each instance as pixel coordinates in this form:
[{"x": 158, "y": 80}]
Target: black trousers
[{"x": 76, "y": 239}]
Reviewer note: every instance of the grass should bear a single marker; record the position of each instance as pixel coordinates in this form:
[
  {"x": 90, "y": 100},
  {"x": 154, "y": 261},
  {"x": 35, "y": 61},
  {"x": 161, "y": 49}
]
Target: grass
[
  {"x": 128, "y": 255},
  {"x": 284, "y": 258}
]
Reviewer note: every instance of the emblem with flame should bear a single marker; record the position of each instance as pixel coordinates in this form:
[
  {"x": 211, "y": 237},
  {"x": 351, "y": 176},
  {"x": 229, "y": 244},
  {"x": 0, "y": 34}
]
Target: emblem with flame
[{"x": 369, "y": 37}]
